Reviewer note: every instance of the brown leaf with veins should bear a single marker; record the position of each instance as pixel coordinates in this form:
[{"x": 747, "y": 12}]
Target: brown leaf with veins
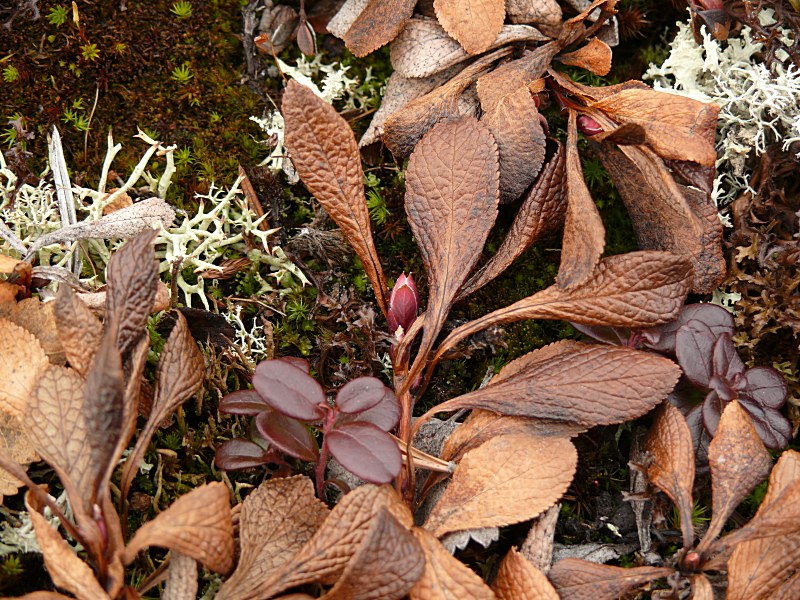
[
  {"x": 758, "y": 568},
  {"x": 325, "y": 154},
  {"x": 594, "y": 56},
  {"x": 577, "y": 579},
  {"x": 386, "y": 565},
  {"x": 38, "y": 318},
  {"x": 24, "y": 360},
  {"x": 451, "y": 201},
  {"x": 509, "y": 77},
  {"x": 276, "y": 521},
  {"x": 669, "y": 444},
  {"x": 78, "y": 329},
  {"x": 474, "y": 24},
  {"x": 445, "y": 577},
  {"x": 635, "y": 290},
  {"x": 509, "y": 479},
  {"x": 584, "y": 233},
  {"x": 577, "y": 384},
  {"x": 541, "y": 212},
  {"x": 518, "y": 579},
  {"x": 197, "y": 524},
  {"x": 514, "y": 123},
  {"x": 18, "y": 448},
  {"x": 545, "y": 14},
  {"x": 182, "y": 581},
  {"x": 377, "y": 25}
]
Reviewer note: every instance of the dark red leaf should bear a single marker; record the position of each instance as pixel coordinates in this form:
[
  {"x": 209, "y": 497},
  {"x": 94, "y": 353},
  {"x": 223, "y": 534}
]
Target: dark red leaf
[
  {"x": 717, "y": 318},
  {"x": 360, "y": 394},
  {"x": 240, "y": 454},
  {"x": 300, "y": 363},
  {"x": 287, "y": 435},
  {"x": 726, "y": 361},
  {"x": 694, "y": 347},
  {"x": 383, "y": 415},
  {"x": 774, "y": 429},
  {"x": 289, "y": 390},
  {"x": 764, "y": 385},
  {"x": 243, "y": 402},
  {"x": 365, "y": 451}
]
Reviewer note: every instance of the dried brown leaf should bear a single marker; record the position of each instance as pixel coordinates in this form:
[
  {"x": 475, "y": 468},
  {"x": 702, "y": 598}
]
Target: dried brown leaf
[
  {"x": 347, "y": 15},
  {"x": 577, "y": 579},
  {"x": 182, "y": 581},
  {"x": 377, "y": 25},
  {"x": 544, "y": 13},
  {"x": 514, "y": 123},
  {"x": 66, "y": 570},
  {"x": 18, "y": 448},
  {"x": 197, "y": 524},
  {"x": 738, "y": 461},
  {"x": 594, "y": 56},
  {"x": 24, "y": 360},
  {"x": 638, "y": 289},
  {"x": 474, "y": 24},
  {"x": 386, "y": 565},
  {"x": 509, "y": 479},
  {"x": 541, "y": 212},
  {"x": 451, "y": 202},
  {"x": 701, "y": 588},
  {"x": 276, "y": 521},
  {"x": 584, "y": 233},
  {"x": 325, "y": 154},
  {"x": 132, "y": 277},
  {"x": 38, "y": 318},
  {"x": 445, "y": 577},
  {"x": 577, "y": 384},
  {"x": 78, "y": 329},
  {"x": 518, "y": 579},
  {"x": 509, "y": 77},
  {"x": 669, "y": 444}
]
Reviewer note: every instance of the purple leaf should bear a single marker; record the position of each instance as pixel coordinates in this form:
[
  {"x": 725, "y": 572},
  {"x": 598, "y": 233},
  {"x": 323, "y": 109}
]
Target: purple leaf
[
  {"x": 764, "y": 386},
  {"x": 727, "y": 363},
  {"x": 775, "y": 429},
  {"x": 300, "y": 363},
  {"x": 365, "y": 451},
  {"x": 240, "y": 454},
  {"x": 289, "y": 390},
  {"x": 360, "y": 394},
  {"x": 243, "y": 402},
  {"x": 694, "y": 347},
  {"x": 717, "y": 319},
  {"x": 287, "y": 435},
  {"x": 713, "y": 406},
  {"x": 384, "y": 415}
]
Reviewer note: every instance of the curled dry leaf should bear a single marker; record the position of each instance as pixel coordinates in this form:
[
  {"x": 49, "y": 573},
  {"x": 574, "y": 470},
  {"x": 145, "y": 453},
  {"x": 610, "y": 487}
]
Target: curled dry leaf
[
  {"x": 594, "y": 56},
  {"x": 637, "y": 289},
  {"x": 276, "y": 521},
  {"x": 78, "y": 329},
  {"x": 518, "y": 579},
  {"x": 17, "y": 447},
  {"x": 584, "y": 234},
  {"x": 669, "y": 444},
  {"x": 445, "y": 577},
  {"x": 325, "y": 154},
  {"x": 577, "y": 384},
  {"x": 474, "y": 24},
  {"x": 542, "y": 211},
  {"x": 24, "y": 360},
  {"x": 197, "y": 524},
  {"x": 576, "y": 579},
  {"x": 509, "y": 479},
  {"x": 542, "y": 13},
  {"x": 386, "y": 565},
  {"x": 701, "y": 588},
  {"x": 182, "y": 581},
  {"x": 377, "y": 25}
]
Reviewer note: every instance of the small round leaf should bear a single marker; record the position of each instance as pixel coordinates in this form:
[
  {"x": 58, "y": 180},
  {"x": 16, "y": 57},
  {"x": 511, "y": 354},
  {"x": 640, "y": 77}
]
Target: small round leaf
[
  {"x": 360, "y": 394},
  {"x": 289, "y": 390},
  {"x": 287, "y": 435},
  {"x": 365, "y": 451},
  {"x": 240, "y": 454},
  {"x": 243, "y": 402}
]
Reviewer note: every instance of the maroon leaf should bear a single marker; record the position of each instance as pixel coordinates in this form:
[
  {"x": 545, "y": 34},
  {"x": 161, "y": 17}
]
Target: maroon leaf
[
  {"x": 717, "y": 318},
  {"x": 726, "y": 361},
  {"x": 289, "y": 390},
  {"x": 764, "y": 385},
  {"x": 384, "y": 415},
  {"x": 694, "y": 346},
  {"x": 287, "y": 435},
  {"x": 238, "y": 454},
  {"x": 243, "y": 402},
  {"x": 366, "y": 451},
  {"x": 360, "y": 394},
  {"x": 774, "y": 429}
]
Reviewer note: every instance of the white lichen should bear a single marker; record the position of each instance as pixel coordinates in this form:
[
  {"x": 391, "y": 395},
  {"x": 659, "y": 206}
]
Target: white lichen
[{"x": 252, "y": 340}]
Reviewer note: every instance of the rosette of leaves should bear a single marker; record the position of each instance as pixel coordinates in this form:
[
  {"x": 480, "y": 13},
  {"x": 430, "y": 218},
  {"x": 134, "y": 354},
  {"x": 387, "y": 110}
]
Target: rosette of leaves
[
  {"x": 701, "y": 341},
  {"x": 288, "y": 404},
  {"x": 80, "y": 418}
]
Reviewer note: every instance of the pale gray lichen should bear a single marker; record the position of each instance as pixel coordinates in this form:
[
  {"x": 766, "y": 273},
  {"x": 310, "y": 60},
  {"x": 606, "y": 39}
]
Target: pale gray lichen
[{"x": 758, "y": 105}]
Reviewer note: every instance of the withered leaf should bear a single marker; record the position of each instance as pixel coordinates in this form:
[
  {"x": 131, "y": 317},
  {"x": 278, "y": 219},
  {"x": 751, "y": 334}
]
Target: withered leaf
[
  {"x": 576, "y": 383},
  {"x": 197, "y": 524},
  {"x": 378, "y": 24},
  {"x": 347, "y": 15},
  {"x": 474, "y": 24},
  {"x": 277, "y": 519},
  {"x": 132, "y": 277},
  {"x": 406, "y": 127},
  {"x": 67, "y": 571},
  {"x": 701, "y": 588},
  {"x": 510, "y": 76},
  {"x": 385, "y": 566},
  {"x": 451, "y": 201},
  {"x": 637, "y": 289},
  {"x": 509, "y": 479},
  {"x": 24, "y": 360},
  {"x": 17, "y": 447},
  {"x": 541, "y": 212},
  {"x": 738, "y": 461},
  {"x": 577, "y": 579},
  {"x": 518, "y": 579},
  {"x": 584, "y": 233},
  {"x": 38, "y": 318},
  {"x": 594, "y": 56},
  {"x": 78, "y": 329},
  {"x": 544, "y": 13},
  {"x": 757, "y": 568},
  {"x": 514, "y": 123},
  {"x": 669, "y": 444},
  {"x": 325, "y": 154},
  {"x": 182, "y": 581},
  {"x": 445, "y": 577}
]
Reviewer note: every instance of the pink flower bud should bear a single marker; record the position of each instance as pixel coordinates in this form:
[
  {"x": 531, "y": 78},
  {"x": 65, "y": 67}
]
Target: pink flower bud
[
  {"x": 588, "y": 126},
  {"x": 403, "y": 305}
]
